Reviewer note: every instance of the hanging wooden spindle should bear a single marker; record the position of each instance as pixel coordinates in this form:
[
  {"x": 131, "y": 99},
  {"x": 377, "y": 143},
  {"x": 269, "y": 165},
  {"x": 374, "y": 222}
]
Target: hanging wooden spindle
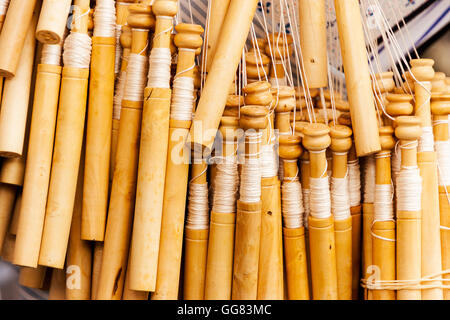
[
  {"x": 321, "y": 224},
  {"x": 279, "y": 48},
  {"x": 121, "y": 205},
  {"x": 422, "y": 69},
  {"x": 52, "y": 21},
  {"x": 256, "y": 65},
  {"x": 409, "y": 184}
]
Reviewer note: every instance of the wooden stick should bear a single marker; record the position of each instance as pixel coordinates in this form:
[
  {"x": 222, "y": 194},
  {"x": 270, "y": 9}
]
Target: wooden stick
[
  {"x": 7, "y": 197},
  {"x": 152, "y": 160},
  {"x": 426, "y": 158},
  {"x": 321, "y": 230},
  {"x": 15, "y": 101},
  {"x": 66, "y": 158},
  {"x": 226, "y": 60},
  {"x": 176, "y": 180},
  {"x": 14, "y": 34},
  {"x": 279, "y": 49},
  {"x": 96, "y": 268},
  {"x": 52, "y": 21},
  {"x": 121, "y": 206},
  {"x": 32, "y": 277},
  {"x": 57, "y": 285},
  {"x": 16, "y": 213},
  {"x": 362, "y": 109}
]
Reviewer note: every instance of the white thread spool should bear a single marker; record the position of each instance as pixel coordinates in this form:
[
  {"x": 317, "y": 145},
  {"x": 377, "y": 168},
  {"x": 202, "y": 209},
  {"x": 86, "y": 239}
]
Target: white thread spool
[
  {"x": 198, "y": 207},
  {"x": 182, "y": 99},
  {"x": 135, "y": 80},
  {"x": 426, "y": 140},
  {"x": 3, "y": 7},
  {"x": 51, "y": 54},
  {"x": 226, "y": 186},
  {"x": 443, "y": 159},
  {"x": 320, "y": 203},
  {"x": 292, "y": 204},
  {"x": 396, "y": 161},
  {"x": 159, "y": 70},
  {"x": 77, "y": 50},
  {"x": 354, "y": 183},
  {"x": 369, "y": 180},
  {"x": 250, "y": 188},
  {"x": 105, "y": 19},
  {"x": 340, "y": 198},
  {"x": 118, "y": 97},
  {"x": 269, "y": 161},
  {"x": 383, "y": 206},
  {"x": 409, "y": 189}
]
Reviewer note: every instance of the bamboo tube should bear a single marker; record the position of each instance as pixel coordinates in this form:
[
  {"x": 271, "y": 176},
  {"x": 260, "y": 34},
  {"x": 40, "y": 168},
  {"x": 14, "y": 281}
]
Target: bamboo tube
[
  {"x": 234, "y": 33},
  {"x": 217, "y": 14},
  {"x": 32, "y": 277},
  {"x": 440, "y": 107},
  {"x": 152, "y": 155},
  {"x": 294, "y": 238},
  {"x": 248, "y": 217},
  {"x": 383, "y": 228},
  {"x": 52, "y": 21},
  {"x": 57, "y": 285},
  {"x": 426, "y": 158},
  {"x": 99, "y": 126},
  {"x": 321, "y": 230},
  {"x": 313, "y": 41},
  {"x": 340, "y": 145},
  {"x": 39, "y": 157},
  {"x": 219, "y": 265},
  {"x": 14, "y": 35},
  {"x": 96, "y": 266},
  {"x": 362, "y": 109},
  {"x": 16, "y": 213},
  {"x": 196, "y": 237},
  {"x": 15, "y": 101},
  {"x": 121, "y": 206},
  {"x": 67, "y": 151},
  {"x": 7, "y": 197},
  {"x": 176, "y": 180},
  {"x": 79, "y": 252}
]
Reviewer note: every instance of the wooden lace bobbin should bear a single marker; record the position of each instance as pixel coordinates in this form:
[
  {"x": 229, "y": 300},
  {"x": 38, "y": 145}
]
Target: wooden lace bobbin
[
  {"x": 383, "y": 228},
  {"x": 125, "y": 42},
  {"x": 79, "y": 253},
  {"x": 52, "y": 21},
  {"x": 340, "y": 206},
  {"x": 248, "y": 217},
  {"x": 196, "y": 233},
  {"x": 121, "y": 205},
  {"x": 219, "y": 267},
  {"x": 313, "y": 41},
  {"x": 121, "y": 21},
  {"x": 285, "y": 102},
  {"x": 152, "y": 154},
  {"x": 355, "y": 208},
  {"x": 14, "y": 34},
  {"x": 39, "y": 157},
  {"x": 382, "y": 84},
  {"x": 257, "y": 65},
  {"x": 320, "y": 222},
  {"x": 228, "y": 54},
  {"x": 422, "y": 69},
  {"x": 440, "y": 108},
  {"x": 177, "y": 171},
  {"x": 354, "y": 56},
  {"x": 7, "y": 197},
  {"x": 99, "y": 124},
  {"x": 408, "y": 222},
  {"x": 16, "y": 96},
  {"x": 294, "y": 237},
  {"x": 57, "y": 290},
  {"x": 32, "y": 277},
  {"x": 278, "y": 48},
  {"x": 68, "y": 142},
  {"x": 438, "y": 84},
  {"x": 217, "y": 11}
]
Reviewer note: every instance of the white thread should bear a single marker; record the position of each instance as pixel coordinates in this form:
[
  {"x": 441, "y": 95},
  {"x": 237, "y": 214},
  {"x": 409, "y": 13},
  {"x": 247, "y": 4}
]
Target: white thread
[
  {"x": 396, "y": 161},
  {"x": 182, "y": 99},
  {"x": 340, "y": 204},
  {"x": 426, "y": 140},
  {"x": 319, "y": 196},
  {"x": 77, "y": 50},
  {"x": 3, "y": 7},
  {"x": 105, "y": 19},
  {"x": 306, "y": 206},
  {"x": 118, "y": 97},
  {"x": 409, "y": 189},
  {"x": 369, "y": 179},
  {"x": 443, "y": 160},
  {"x": 354, "y": 183},
  {"x": 198, "y": 208},
  {"x": 118, "y": 49},
  {"x": 226, "y": 186},
  {"x": 250, "y": 189},
  {"x": 292, "y": 204},
  {"x": 159, "y": 71},
  {"x": 383, "y": 206},
  {"x": 135, "y": 83},
  {"x": 269, "y": 161},
  {"x": 51, "y": 54}
]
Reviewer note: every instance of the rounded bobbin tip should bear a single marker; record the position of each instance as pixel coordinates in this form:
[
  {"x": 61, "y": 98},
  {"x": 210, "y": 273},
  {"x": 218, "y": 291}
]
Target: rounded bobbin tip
[
  {"x": 408, "y": 128},
  {"x": 422, "y": 69},
  {"x": 399, "y": 104},
  {"x": 440, "y": 104},
  {"x": 253, "y": 117},
  {"x": 188, "y": 36},
  {"x": 258, "y": 93},
  {"x": 383, "y": 82},
  {"x": 316, "y": 137},
  {"x": 284, "y": 98},
  {"x": 345, "y": 119},
  {"x": 290, "y": 148},
  {"x": 167, "y": 8},
  {"x": 232, "y": 105},
  {"x": 47, "y": 37},
  {"x": 438, "y": 84},
  {"x": 387, "y": 140},
  {"x": 300, "y": 127},
  {"x": 341, "y": 138},
  {"x": 140, "y": 16}
]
